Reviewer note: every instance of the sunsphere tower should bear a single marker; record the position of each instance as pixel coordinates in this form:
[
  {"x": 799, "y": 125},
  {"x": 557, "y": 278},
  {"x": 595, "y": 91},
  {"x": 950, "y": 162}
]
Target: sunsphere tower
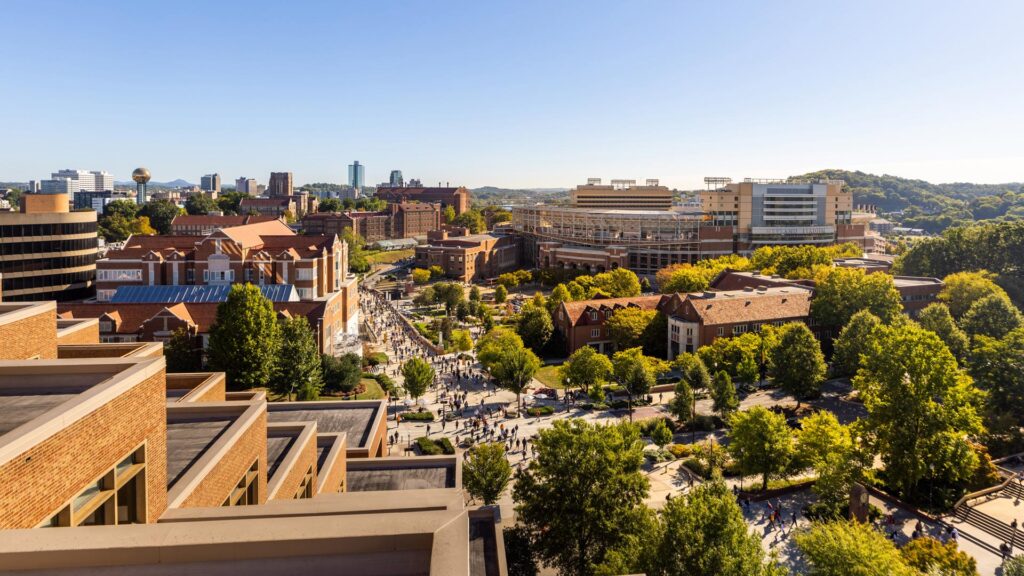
[{"x": 141, "y": 177}]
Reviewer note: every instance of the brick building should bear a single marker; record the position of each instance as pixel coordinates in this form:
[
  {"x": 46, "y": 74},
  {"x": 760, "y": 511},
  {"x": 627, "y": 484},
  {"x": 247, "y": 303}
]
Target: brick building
[
  {"x": 162, "y": 473},
  {"x": 276, "y": 206},
  {"x": 261, "y": 253},
  {"x": 582, "y": 323},
  {"x": 470, "y": 257},
  {"x": 696, "y": 320},
  {"x": 333, "y": 318},
  {"x": 458, "y": 198},
  {"x": 201, "y": 225},
  {"x": 401, "y": 220}
]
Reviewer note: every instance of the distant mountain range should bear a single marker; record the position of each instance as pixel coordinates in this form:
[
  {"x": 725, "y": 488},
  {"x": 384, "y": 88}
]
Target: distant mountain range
[{"x": 172, "y": 184}]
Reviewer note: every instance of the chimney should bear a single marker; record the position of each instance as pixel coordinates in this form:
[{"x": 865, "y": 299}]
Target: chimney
[{"x": 748, "y": 289}]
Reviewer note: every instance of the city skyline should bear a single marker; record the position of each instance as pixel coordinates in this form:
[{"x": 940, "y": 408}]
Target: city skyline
[{"x": 476, "y": 94}]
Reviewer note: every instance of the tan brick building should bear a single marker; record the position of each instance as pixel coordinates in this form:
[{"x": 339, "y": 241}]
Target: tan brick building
[
  {"x": 165, "y": 473},
  {"x": 470, "y": 257},
  {"x": 458, "y": 197}
]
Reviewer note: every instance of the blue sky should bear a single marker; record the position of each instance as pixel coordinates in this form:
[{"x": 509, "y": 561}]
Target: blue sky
[{"x": 516, "y": 94}]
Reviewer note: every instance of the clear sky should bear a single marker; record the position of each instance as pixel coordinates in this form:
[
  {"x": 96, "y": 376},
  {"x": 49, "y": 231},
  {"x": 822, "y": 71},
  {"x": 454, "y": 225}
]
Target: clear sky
[{"x": 514, "y": 94}]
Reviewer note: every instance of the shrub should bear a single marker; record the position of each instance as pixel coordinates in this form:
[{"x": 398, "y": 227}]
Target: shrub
[
  {"x": 659, "y": 456},
  {"x": 376, "y": 358},
  {"x": 427, "y": 446},
  {"x": 446, "y": 445},
  {"x": 424, "y": 416},
  {"x": 540, "y": 411},
  {"x": 679, "y": 450}
]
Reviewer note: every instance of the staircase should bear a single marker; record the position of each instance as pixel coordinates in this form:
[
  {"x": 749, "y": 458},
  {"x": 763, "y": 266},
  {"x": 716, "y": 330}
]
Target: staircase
[{"x": 997, "y": 529}]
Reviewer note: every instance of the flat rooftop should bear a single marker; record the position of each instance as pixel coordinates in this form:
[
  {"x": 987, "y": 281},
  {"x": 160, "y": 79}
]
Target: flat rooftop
[
  {"x": 277, "y": 449},
  {"x": 188, "y": 438},
  {"x": 26, "y": 395},
  {"x": 379, "y": 474},
  {"x": 355, "y": 419},
  {"x": 909, "y": 281}
]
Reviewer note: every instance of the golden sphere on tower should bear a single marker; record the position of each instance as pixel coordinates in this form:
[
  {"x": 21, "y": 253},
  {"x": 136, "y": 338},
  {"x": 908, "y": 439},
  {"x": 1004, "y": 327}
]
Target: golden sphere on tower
[{"x": 141, "y": 175}]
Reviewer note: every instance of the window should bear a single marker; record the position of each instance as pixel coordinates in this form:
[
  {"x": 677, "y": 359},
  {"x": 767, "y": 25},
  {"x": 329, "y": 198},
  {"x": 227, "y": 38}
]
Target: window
[
  {"x": 306, "y": 487},
  {"x": 190, "y": 276},
  {"x": 593, "y": 316},
  {"x": 106, "y": 326},
  {"x": 116, "y": 497},
  {"x": 595, "y": 333},
  {"x": 248, "y": 274},
  {"x": 104, "y": 295},
  {"x": 305, "y": 274},
  {"x": 119, "y": 275},
  {"x": 305, "y": 293},
  {"x": 246, "y": 492},
  {"x": 721, "y": 330},
  {"x": 740, "y": 329}
]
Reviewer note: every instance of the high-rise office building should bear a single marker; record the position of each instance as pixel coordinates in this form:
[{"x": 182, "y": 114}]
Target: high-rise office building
[
  {"x": 210, "y": 183},
  {"x": 280, "y": 184},
  {"x": 33, "y": 187},
  {"x": 396, "y": 179},
  {"x": 356, "y": 176},
  {"x": 246, "y": 186},
  {"x": 85, "y": 180},
  {"x": 58, "y": 186}
]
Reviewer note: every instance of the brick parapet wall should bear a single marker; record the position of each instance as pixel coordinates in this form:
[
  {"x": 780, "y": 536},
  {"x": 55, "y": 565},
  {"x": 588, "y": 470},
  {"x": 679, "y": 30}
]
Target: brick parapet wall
[
  {"x": 218, "y": 484},
  {"x": 32, "y": 337}
]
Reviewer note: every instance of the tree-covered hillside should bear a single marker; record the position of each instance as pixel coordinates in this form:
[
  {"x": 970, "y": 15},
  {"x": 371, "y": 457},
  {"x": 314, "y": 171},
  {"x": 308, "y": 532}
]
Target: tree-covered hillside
[{"x": 933, "y": 207}]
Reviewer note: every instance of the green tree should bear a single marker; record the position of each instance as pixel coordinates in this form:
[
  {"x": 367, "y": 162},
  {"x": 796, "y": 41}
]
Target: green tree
[
  {"x": 181, "y": 352},
  {"x": 937, "y": 318},
  {"x": 619, "y": 283},
  {"x": 921, "y": 409},
  {"x": 799, "y": 365},
  {"x": 705, "y": 535},
  {"x": 418, "y": 375},
  {"x": 486, "y": 473},
  {"x": 160, "y": 213},
  {"x": 997, "y": 366},
  {"x": 558, "y": 295},
  {"x": 298, "y": 366},
  {"x": 245, "y": 338},
  {"x": 228, "y": 202},
  {"x": 929, "y": 556},
  {"x": 723, "y": 394},
  {"x": 198, "y": 204},
  {"x": 962, "y": 289},
  {"x": 627, "y": 326},
  {"x": 449, "y": 214},
  {"x": 761, "y": 443},
  {"x": 514, "y": 369},
  {"x": 849, "y": 548},
  {"x": 692, "y": 371},
  {"x": 341, "y": 374},
  {"x": 1014, "y": 566},
  {"x": 661, "y": 435},
  {"x": 855, "y": 339},
  {"x": 842, "y": 292},
  {"x": 579, "y": 498},
  {"x": 534, "y": 325},
  {"x": 500, "y": 294},
  {"x": 420, "y": 276},
  {"x": 634, "y": 372},
  {"x": 681, "y": 405},
  {"x": 474, "y": 294},
  {"x": 993, "y": 316},
  {"x": 461, "y": 341},
  {"x": 357, "y": 260},
  {"x": 436, "y": 272},
  {"x": 586, "y": 367},
  {"x": 490, "y": 346},
  {"x": 329, "y": 205},
  {"x": 828, "y": 447},
  {"x": 124, "y": 208},
  {"x": 471, "y": 219}
]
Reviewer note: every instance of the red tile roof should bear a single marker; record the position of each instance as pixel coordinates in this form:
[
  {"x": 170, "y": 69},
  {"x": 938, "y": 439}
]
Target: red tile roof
[
  {"x": 202, "y": 220},
  {"x": 574, "y": 311},
  {"x": 203, "y": 315},
  {"x": 740, "y": 306}
]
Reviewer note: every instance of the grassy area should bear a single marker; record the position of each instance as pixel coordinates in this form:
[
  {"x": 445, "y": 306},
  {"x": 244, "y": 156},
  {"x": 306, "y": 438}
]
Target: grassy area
[
  {"x": 388, "y": 257},
  {"x": 373, "y": 390},
  {"x": 548, "y": 376}
]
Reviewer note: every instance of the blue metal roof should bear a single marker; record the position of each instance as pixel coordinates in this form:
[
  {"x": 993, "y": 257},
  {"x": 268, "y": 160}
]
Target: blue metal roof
[{"x": 174, "y": 294}]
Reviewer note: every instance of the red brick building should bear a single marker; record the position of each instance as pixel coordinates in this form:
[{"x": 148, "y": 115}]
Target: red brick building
[
  {"x": 458, "y": 198},
  {"x": 696, "y": 320},
  {"x": 403, "y": 220},
  {"x": 582, "y": 323},
  {"x": 201, "y": 225},
  {"x": 331, "y": 318},
  {"x": 261, "y": 253}
]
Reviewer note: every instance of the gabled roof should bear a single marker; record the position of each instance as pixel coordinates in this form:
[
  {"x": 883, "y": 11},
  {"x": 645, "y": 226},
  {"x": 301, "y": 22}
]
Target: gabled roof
[
  {"x": 201, "y": 314},
  {"x": 738, "y": 306},
  {"x": 574, "y": 311},
  {"x": 137, "y": 246},
  {"x": 204, "y": 220},
  {"x": 252, "y": 235}
]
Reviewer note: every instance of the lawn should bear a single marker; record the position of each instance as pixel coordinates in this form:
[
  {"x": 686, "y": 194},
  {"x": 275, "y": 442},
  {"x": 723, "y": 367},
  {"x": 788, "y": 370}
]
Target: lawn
[
  {"x": 389, "y": 257},
  {"x": 548, "y": 376},
  {"x": 373, "y": 390}
]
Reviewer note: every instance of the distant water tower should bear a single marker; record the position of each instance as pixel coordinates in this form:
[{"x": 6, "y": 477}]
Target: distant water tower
[{"x": 141, "y": 177}]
